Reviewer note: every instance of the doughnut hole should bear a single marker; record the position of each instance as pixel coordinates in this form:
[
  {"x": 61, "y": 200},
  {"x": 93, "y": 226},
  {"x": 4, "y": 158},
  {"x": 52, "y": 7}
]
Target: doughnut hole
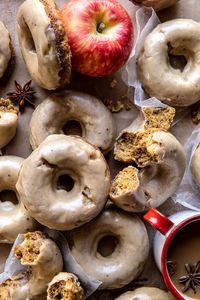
[
  {"x": 8, "y": 196},
  {"x": 107, "y": 245},
  {"x": 65, "y": 182},
  {"x": 176, "y": 60},
  {"x": 29, "y": 41},
  {"x": 72, "y": 127}
]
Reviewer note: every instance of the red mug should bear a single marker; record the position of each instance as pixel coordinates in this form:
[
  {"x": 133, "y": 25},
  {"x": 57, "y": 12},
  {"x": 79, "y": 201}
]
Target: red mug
[{"x": 167, "y": 229}]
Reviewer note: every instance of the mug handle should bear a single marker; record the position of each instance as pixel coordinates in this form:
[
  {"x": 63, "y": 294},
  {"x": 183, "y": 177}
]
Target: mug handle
[{"x": 158, "y": 221}]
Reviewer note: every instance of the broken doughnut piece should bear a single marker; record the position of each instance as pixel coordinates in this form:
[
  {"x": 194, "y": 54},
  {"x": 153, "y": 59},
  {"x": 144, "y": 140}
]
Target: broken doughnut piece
[
  {"x": 43, "y": 260},
  {"x": 65, "y": 286}
]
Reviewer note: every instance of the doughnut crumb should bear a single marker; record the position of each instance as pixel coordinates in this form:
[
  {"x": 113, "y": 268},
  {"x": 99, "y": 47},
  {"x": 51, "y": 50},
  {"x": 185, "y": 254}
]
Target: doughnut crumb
[
  {"x": 7, "y": 106},
  {"x": 4, "y": 289},
  {"x": 10, "y": 284},
  {"x": 69, "y": 289},
  {"x": 125, "y": 181},
  {"x": 195, "y": 113},
  {"x": 137, "y": 147},
  {"x": 114, "y": 105},
  {"x": 158, "y": 117},
  {"x": 28, "y": 251}
]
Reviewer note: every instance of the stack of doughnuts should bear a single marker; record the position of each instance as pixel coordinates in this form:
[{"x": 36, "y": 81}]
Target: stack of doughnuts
[{"x": 65, "y": 183}]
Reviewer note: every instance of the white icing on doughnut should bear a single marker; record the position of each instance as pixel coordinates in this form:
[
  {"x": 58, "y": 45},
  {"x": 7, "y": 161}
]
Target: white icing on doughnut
[
  {"x": 14, "y": 219},
  {"x": 38, "y": 43},
  {"x": 57, "y": 208},
  {"x": 174, "y": 86},
  {"x": 52, "y": 114},
  {"x": 195, "y": 165},
  {"x": 8, "y": 122},
  {"x": 146, "y": 293},
  {"x": 5, "y": 49},
  {"x": 126, "y": 261}
]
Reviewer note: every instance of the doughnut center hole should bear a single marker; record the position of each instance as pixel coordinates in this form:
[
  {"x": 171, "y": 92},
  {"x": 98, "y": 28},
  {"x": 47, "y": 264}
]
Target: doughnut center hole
[
  {"x": 177, "y": 61},
  {"x": 9, "y": 196},
  {"x": 107, "y": 245},
  {"x": 65, "y": 182},
  {"x": 72, "y": 127},
  {"x": 30, "y": 44}
]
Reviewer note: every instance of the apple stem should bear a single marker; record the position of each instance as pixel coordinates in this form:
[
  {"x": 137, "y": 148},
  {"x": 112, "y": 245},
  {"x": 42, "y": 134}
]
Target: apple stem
[{"x": 100, "y": 27}]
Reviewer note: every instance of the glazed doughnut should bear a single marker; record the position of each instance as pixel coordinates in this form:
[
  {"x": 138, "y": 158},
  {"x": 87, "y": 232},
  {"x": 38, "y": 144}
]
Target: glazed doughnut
[
  {"x": 146, "y": 293},
  {"x": 6, "y": 50},
  {"x": 14, "y": 219},
  {"x": 65, "y": 286},
  {"x": 195, "y": 165},
  {"x": 57, "y": 208},
  {"x": 43, "y": 260},
  {"x": 8, "y": 122},
  {"x": 159, "y": 79},
  {"x": 160, "y": 161},
  {"x": 156, "y": 4},
  {"x": 52, "y": 114},
  {"x": 44, "y": 43},
  {"x": 131, "y": 250}
]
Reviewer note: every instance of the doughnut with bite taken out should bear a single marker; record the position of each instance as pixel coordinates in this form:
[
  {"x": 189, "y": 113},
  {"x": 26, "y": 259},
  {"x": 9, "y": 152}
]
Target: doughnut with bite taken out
[{"x": 159, "y": 157}]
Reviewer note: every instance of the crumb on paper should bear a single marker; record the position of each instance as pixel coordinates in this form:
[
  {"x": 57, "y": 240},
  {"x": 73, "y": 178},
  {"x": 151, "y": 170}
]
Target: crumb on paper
[
  {"x": 128, "y": 104},
  {"x": 113, "y": 83},
  {"x": 195, "y": 114},
  {"x": 116, "y": 105},
  {"x": 113, "y": 105}
]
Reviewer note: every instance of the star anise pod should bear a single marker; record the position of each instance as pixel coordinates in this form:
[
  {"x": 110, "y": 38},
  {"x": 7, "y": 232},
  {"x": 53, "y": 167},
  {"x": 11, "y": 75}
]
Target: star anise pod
[
  {"x": 192, "y": 279},
  {"x": 23, "y": 95}
]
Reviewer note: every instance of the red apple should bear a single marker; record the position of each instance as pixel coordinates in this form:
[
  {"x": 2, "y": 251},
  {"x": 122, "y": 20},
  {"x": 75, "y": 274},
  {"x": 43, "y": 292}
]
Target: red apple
[{"x": 100, "y": 35}]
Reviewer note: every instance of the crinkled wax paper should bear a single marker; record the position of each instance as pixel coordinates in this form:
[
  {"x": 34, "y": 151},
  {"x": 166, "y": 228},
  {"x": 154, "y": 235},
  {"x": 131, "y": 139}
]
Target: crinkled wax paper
[{"x": 188, "y": 193}]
